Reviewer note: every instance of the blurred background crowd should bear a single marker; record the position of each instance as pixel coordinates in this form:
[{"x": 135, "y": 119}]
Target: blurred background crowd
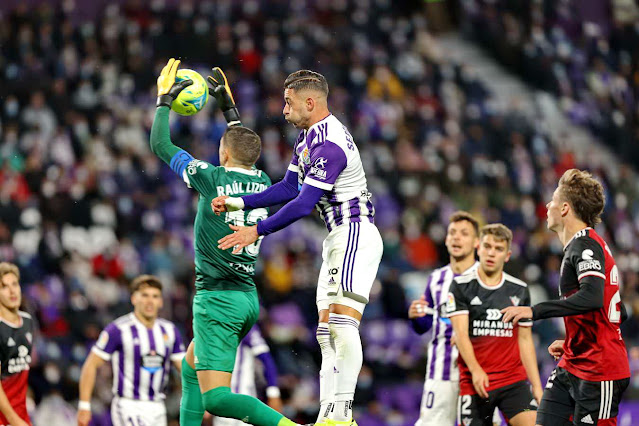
[{"x": 85, "y": 206}]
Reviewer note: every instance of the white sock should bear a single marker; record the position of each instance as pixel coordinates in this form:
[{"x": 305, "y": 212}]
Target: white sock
[
  {"x": 348, "y": 363},
  {"x": 327, "y": 370}
]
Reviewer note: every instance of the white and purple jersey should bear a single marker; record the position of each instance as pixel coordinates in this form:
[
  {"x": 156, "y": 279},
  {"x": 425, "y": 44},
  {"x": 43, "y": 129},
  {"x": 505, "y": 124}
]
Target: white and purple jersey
[
  {"x": 326, "y": 157},
  {"x": 252, "y": 347},
  {"x": 140, "y": 356},
  {"x": 442, "y": 356}
]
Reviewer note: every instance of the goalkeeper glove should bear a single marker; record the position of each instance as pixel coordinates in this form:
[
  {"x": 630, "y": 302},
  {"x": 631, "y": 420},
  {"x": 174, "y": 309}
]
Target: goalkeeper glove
[
  {"x": 221, "y": 91},
  {"x": 168, "y": 88}
]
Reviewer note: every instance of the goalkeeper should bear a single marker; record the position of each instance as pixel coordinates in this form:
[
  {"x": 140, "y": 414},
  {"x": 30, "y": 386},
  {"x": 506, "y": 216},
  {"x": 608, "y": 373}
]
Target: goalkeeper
[{"x": 225, "y": 306}]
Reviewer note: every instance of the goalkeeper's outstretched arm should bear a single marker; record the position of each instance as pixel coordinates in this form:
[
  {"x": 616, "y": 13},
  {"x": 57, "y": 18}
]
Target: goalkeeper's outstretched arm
[{"x": 161, "y": 144}]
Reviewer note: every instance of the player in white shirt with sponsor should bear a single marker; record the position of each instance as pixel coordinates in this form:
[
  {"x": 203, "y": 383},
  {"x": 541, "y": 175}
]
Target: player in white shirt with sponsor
[
  {"x": 141, "y": 348},
  {"x": 441, "y": 387},
  {"x": 326, "y": 173},
  {"x": 253, "y": 349}
]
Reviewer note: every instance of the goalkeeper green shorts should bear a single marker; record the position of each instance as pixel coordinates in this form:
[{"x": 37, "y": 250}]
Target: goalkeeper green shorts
[{"x": 221, "y": 319}]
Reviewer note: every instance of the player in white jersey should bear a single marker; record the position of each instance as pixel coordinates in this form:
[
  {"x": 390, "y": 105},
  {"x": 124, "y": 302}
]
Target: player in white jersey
[
  {"x": 141, "y": 348},
  {"x": 441, "y": 387},
  {"x": 253, "y": 348},
  {"x": 326, "y": 172}
]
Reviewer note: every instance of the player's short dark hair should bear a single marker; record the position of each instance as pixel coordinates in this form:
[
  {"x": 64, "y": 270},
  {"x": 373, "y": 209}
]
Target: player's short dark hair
[
  {"x": 460, "y": 216},
  {"x": 306, "y": 79},
  {"x": 585, "y": 195},
  {"x": 245, "y": 145},
  {"x": 145, "y": 280},
  {"x": 499, "y": 231},
  {"x": 9, "y": 268}
]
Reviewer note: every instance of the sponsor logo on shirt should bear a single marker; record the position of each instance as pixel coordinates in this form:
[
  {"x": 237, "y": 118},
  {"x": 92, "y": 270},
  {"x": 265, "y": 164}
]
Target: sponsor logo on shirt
[
  {"x": 317, "y": 170},
  {"x": 589, "y": 265},
  {"x": 241, "y": 267},
  {"x": 152, "y": 361},
  {"x": 194, "y": 165},
  {"x": 21, "y": 362}
]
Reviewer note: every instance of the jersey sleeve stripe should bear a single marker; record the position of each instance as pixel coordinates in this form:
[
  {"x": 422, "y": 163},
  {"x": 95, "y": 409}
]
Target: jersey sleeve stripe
[
  {"x": 591, "y": 274},
  {"x": 321, "y": 185},
  {"x": 260, "y": 349},
  {"x": 105, "y": 356},
  {"x": 452, "y": 314},
  {"x": 293, "y": 168}
]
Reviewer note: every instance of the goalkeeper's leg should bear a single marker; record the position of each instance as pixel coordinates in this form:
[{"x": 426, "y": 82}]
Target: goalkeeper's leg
[{"x": 191, "y": 408}]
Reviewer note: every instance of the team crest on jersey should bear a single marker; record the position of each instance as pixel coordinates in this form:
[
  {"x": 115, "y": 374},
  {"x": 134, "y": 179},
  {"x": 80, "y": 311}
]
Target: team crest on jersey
[
  {"x": 29, "y": 337},
  {"x": 515, "y": 300},
  {"x": 306, "y": 158},
  {"x": 467, "y": 421}
]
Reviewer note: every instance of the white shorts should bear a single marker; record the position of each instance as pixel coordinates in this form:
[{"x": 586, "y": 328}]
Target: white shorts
[
  {"x": 351, "y": 254},
  {"x": 439, "y": 403},
  {"x": 130, "y": 412}
]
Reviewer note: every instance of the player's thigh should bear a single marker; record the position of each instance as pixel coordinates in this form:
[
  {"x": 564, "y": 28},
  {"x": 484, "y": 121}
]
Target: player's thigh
[
  {"x": 353, "y": 263},
  {"x": 514, "y": 400},
  {"x": 472, "y": 410},
  {"x": 220, "y": 320},
  {"x": 439, "y": 403},
  {"x": 557, "y": 405},
  {"x": 597, "y": 402}
]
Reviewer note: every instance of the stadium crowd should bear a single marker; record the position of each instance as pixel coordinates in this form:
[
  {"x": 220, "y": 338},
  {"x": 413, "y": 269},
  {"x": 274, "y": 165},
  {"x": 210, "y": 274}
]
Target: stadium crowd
[{"x": 85, "y": 206}]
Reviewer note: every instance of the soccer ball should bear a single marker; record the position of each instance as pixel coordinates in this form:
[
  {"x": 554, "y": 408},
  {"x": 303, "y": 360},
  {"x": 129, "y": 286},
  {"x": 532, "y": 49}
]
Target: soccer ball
[{"x": 194, "y": 97}]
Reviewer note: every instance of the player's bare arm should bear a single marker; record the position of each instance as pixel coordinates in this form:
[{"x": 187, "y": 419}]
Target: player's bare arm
[
  {"x": 87, "y": 383},
  {"x": 529, "y": 360},
  {"x": 8, "y": 411},
  {"x": 480, "y": 378},
  {"x": 556, "y": 349}
]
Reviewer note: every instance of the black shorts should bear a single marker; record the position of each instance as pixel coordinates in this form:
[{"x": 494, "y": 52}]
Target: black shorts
[
  {"x": 473, "y": 410},
  {"x": 569, "y": 400}
]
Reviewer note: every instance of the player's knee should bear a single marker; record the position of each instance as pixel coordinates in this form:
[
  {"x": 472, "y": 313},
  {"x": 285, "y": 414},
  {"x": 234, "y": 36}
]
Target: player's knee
[
  {"x": 213, "y": 400},
  {"x": 188, "y": 373}
]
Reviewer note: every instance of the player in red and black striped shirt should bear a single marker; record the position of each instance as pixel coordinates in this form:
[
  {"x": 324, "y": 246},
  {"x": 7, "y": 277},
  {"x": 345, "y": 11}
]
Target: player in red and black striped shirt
[
  {"x": 16, "y": 336},
  {"x": 593, "y": 372}
]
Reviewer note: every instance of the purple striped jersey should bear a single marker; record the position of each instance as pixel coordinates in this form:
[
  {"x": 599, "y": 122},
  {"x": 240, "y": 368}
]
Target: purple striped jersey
[
  {"x": 326, "y": 157},
  {"x": 442, "y": 356},
  {"x": 252, "y": 347},
  {"x": 140, "y": 356}
]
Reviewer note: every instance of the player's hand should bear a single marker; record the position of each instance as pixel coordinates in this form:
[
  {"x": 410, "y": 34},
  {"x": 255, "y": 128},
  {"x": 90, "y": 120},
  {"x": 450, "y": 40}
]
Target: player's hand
[
  {"x": 480, "y": 383},
  {"x": 275, "y": 403},
  {"x": 516, "y": 313},
  {"x": 556, "y": 349},
  {"x": 168, "y": 88},
  {"x": 418, "y": 308},
  {"x": 84, "y": 417},
  {"x": 221, "y": 91},
  {"x": 218, "y": 205},
  {"x": 242, "y": 237},
  {"x": 537, "y": 394}
]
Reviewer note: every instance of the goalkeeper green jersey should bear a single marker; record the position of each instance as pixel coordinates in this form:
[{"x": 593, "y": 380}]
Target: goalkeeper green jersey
[{"x": 217, "y": 269}]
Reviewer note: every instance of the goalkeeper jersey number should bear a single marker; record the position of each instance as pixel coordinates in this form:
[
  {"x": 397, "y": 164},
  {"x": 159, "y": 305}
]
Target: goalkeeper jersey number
[{"x": 217, "y": 269}]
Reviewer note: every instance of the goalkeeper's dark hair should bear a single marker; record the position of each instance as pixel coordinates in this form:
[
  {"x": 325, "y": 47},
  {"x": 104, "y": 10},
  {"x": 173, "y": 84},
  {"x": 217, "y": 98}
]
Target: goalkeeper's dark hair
[
  {"x": 244, "y": 144},
  {"x": 306, "y": 79}
]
